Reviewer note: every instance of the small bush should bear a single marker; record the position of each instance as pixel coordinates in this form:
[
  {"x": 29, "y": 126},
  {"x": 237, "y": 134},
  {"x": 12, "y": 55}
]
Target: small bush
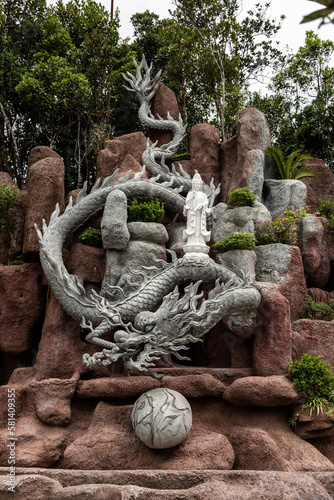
[
  {"x": 8, "y": 208},
  {"x": 281, "y": 229},
  {"x": 319, "y": 310},
  {"x": 180, "y": 157},
  {"x": 91, "y": 237},
  {"x": 235, "y": 241},
  {"x": 326, "y": 209},
  {"x": 150, "y": 211},
  {"x": 242, "y": 197},
  {"x": 313, "y": 380}
]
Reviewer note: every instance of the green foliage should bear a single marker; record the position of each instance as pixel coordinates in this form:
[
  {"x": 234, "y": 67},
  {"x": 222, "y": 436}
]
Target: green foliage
[
  {"x": 8, "y": 207},
  {"x": 149, "y": 211},
  {"x": 323, "y": 14},
  {"x": 235, "y": 241},
  {"x": 281, "y": 229},
  {"x": 326, "y": 209},
  {"x": 300, "y": 105},
  {"x": 319, "y": 310},
  {"x": 180, "y": 157},
  {"x": 290, "y": 168},
  {"x": 313, "y": 380},
  {"x": 242, "y": 197},
  {"x": 91, "y": 237}
]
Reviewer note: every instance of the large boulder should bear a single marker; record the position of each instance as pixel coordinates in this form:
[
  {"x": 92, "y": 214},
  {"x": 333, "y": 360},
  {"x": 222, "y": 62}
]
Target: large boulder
[
  {"x": 272, "y": 343},
  {"x": 45, "y": 186},
  {"x": 315, "y": 337},
  {"x": 321, "y": 187},
  {"x": 282, "y": 195},
  {"x": 315, "y": 243},
  {"x": 261, "y": 391},
  {"x": 243, "y": 161},
  {"x": 22, "y": 312},
  {"x": 283, "y": 265},
  {"x": 164, "y": 103}
]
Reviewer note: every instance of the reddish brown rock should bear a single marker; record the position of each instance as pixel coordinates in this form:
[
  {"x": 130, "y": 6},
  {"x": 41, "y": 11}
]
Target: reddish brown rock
[
  {"x": 116, "y": 387},
  {"x": 115, "y": 152},
  {"x": 320, "y": 187},
  {"x": 53, "y": 400},
  {"x": 45, "y": 185},
  {"x": 242, "y": 159},
  {"x": 261, "y": 391},
  {"x": 109, "y": 158},
  {"x": 22, "y": 310},
  {"x": 5, "y": 179},
  {"x": 315, "y": 337},
  {"x": 272, "y": 343},
  {"x": 280, "y": 449},
  {"x": 60, "y": 350},
  {"x": 204, "y": 152},
  {"x": 38, "y": 445},
  {"x": 314, "y": 241},
  {"x": 195, "y": 386},
  {"x": 39, "y": 153},
  {"x": 163, "y": 102},
  {"x": 89, "y": 263},
  {"x": 110, "y": 443},
  {"x": 130, "y": 163},
  {"x": 310, "y": 425},
  {"x": 319, "y": 295},
  {"x": 134, "y": 144}
]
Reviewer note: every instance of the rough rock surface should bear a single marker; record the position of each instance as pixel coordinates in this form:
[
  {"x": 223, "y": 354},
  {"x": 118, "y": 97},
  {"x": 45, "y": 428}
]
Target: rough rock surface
[
  {"x": 39, "y": 153},
  {"x": 22, "y": 311},
  {"x": 40, "y": 484},
  {"x": 204, "y": 152},
  {"x": 227, "y": 220},
  {"x": 313, "y": 425},
  {"x": 38, "y": 445},
  {"x": 114, "y": 231},
  {"x": 272, "y": 343},
  {"x": 283, "y": 265},
  {"x": 261, "y": 391},
  {"x": 314, "y": 240},
  {"x": 315, "y": 337},
  {"x": 238, "y": 259},
  {"x": 45, "y": 185},
  {"x": 320, "y": 187},
  {"x": 5, "y": 179},
  {"x": 163, "y": 102},
  {"x": 53, "y": 400},
  {"x": 281, "y": 195},
  {"x": 115, "y": 152},
  {"x": 245, "y": 167},
  {"x": 110, "y": 443},
  {"x": 61, "y": 349},
  {"x": 89, "y": 263}
]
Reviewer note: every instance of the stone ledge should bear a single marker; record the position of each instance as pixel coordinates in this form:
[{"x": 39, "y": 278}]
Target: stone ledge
[
  {"x": 62, "y": 484},
  {"x": 192, "y": 382}
]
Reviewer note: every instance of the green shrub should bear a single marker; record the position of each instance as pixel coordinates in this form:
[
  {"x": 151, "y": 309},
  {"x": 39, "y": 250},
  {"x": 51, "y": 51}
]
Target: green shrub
[
  {"x": 235, "y": 241},
  {"x": 281, "y": 229},
  {"x": 8, "y": 207},
  {"x": 291, "y": 167},
  {"x": 326, "y": 209},
  {"x": 313, "y": 380},
  {"x": 180, "y": 157},
  {"x": 319, "y": 310},
  {"x": 150, "y": 211},
  {"x": 91, "y": 237},
  {"x": 242, "y": 197}
]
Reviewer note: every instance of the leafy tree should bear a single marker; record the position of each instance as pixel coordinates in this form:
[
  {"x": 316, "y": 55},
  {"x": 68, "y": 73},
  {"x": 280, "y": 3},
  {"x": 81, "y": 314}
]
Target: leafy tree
[
  {"x": 60, "y": 83},
  {"x": 300, "y": 107}
]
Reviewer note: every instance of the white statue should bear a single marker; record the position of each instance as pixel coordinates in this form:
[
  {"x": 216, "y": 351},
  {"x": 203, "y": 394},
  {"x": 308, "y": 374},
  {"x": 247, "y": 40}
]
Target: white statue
[{"x": 196, "y": 209}]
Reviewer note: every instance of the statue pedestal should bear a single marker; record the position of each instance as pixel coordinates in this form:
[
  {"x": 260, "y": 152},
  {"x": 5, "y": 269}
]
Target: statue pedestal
[{"x": 196, "y": 249}]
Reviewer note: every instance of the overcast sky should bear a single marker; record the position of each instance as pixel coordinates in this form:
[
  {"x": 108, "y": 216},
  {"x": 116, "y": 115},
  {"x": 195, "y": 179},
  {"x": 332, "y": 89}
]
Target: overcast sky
[{"x": 292, "y": 32}]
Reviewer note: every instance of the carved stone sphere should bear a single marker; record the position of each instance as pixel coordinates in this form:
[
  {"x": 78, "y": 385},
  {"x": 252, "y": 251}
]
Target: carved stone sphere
[{"x": 161, "y": 418}]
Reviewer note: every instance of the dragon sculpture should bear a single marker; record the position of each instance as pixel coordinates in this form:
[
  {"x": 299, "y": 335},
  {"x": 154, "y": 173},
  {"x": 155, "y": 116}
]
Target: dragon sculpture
[{"x": 141, "y": 336}]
